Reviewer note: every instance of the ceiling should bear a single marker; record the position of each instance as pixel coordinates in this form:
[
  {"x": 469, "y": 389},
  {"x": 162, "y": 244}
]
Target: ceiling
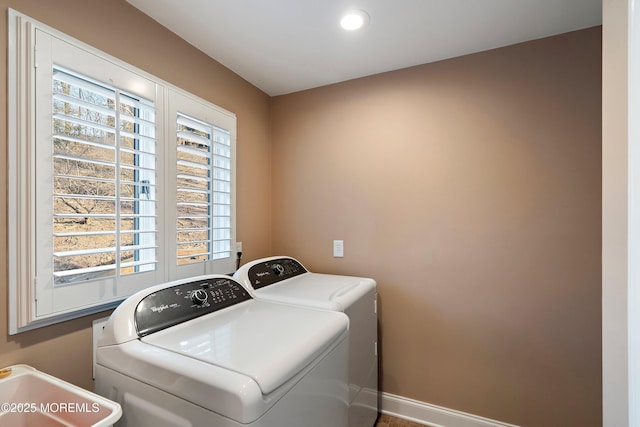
[{"x": 284, "y": 46}]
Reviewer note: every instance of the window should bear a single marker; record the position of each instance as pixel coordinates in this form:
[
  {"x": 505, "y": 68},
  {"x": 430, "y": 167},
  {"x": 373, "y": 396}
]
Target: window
[
  {"x": 111, "y": 189},
  {"x": 202, "y": 164}
]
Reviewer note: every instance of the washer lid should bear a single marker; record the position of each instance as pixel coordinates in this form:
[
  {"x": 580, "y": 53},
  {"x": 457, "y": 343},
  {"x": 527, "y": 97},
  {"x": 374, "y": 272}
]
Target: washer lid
[
  {"x": 325, "y": 291},
  {"x": 284, "y": 279},
  {"x": 267, "y": 342}
]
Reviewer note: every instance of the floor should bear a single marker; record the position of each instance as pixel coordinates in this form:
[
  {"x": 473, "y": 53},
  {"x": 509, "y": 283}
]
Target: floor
[{"x": 388, "y": 421}]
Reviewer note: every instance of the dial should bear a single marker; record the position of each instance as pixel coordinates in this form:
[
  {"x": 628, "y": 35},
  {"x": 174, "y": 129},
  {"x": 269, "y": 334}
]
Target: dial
[
  {"x": 278, "y": 269},
  {"x": 199, "y": 297}
]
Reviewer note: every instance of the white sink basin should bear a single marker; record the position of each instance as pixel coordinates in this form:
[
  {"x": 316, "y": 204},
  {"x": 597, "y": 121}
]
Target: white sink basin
[{"x": 32, "y": 398}]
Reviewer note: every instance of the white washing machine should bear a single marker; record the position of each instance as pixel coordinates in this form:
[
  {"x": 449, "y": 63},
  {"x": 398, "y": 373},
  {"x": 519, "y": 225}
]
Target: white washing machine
[
  {"x": 284, "y": 279},
  {"x": 203, "y": 352}
]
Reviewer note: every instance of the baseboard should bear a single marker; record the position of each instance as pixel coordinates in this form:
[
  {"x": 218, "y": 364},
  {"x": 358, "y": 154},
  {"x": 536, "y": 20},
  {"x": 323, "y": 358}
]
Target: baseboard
[{"x": 432, "y": 415}]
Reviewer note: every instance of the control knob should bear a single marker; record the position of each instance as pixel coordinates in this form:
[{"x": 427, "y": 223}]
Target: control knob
[
  {"x": 278, "y": 269},
  {"x": 199, "y": 297}
]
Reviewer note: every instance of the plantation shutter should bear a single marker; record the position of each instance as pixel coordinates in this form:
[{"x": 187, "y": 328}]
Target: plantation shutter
[
  {"x": 203, "y": 191},
  {"x": 104, "y": 181}
]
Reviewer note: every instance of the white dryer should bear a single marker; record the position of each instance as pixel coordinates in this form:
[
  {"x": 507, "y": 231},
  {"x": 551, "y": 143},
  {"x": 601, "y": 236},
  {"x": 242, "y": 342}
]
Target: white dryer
[
  {"x": 286, "y": 280},
  {"x": 203, "y": 352}
]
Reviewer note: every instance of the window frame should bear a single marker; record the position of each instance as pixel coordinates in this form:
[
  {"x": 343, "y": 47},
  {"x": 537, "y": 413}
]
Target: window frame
[{"x": 24, "y": 138}]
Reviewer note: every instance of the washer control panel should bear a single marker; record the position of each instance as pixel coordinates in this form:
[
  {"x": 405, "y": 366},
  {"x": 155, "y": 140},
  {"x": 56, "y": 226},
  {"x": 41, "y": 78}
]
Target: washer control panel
[
  {"x": 274, "y": 271},
  {"x": 176, "y": 304}
]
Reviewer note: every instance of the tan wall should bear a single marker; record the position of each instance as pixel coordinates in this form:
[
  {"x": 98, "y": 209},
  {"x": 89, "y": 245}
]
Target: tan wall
[
  {"x": 470, "y": 189},
  {"x": 120, "y": 30}
]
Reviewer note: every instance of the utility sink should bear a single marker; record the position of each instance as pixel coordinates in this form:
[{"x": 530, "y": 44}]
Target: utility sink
[{"x": 30, "y": 398}]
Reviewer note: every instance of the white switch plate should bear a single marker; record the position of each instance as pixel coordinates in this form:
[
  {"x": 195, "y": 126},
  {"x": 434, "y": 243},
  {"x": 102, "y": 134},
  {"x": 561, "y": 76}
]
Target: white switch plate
[{"x": 338, "y": 248}]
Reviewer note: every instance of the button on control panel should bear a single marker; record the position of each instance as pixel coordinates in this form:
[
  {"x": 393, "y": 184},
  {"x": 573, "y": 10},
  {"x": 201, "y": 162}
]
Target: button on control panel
[
  {"x": 274, "y": 271},
  {"x": 176, "y": 304}
]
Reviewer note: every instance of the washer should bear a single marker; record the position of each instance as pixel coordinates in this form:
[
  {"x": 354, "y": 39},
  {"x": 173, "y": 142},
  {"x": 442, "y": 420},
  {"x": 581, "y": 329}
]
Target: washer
[
  {"x": 285, "y": 279},
  {"x": 203, "y": 352}
]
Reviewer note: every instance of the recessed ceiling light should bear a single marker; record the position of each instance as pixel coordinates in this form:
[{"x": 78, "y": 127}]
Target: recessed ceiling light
[{"x": 354, "y": 19}]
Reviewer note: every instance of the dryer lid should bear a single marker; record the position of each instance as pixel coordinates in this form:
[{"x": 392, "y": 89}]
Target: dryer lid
[
  {"x": 267, "y": 342},
  {"x": 327, "y": 291},
  {"x": 284, "y": 279}
]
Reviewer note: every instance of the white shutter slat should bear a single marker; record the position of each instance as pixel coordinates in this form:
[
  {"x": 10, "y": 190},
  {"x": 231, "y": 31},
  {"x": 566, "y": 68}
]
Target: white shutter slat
[
  {"x": 70, "y": 138},
  {"x": 85, "y": 104},
  {"x": 84, "y": 123},
  {"x": 84, "y": 160},
  {"x": 82, "y": 83},
  {"x": 85, "y": 272}
]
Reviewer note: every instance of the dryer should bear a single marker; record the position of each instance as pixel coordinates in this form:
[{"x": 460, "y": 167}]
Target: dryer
[
  {"x": 203, "y": 352},
  {"x": 284, "y": 279}
]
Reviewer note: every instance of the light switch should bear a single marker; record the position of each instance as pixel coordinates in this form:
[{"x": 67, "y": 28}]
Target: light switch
[{"x": 338, "y": 248}]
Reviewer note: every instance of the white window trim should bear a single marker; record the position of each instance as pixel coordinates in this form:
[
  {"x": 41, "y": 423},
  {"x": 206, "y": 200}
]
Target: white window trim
[{"x": 22, "y": 201}]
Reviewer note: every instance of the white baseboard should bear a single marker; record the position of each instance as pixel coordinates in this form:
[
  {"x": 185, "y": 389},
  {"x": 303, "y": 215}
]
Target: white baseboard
[{"x": 432, "y": 415}]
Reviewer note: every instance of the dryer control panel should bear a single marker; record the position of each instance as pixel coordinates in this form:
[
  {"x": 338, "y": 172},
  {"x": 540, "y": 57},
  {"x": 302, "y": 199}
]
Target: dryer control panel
[
  {"x": 176, "y": 304},
  {"x": 274, "y": 271}
]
